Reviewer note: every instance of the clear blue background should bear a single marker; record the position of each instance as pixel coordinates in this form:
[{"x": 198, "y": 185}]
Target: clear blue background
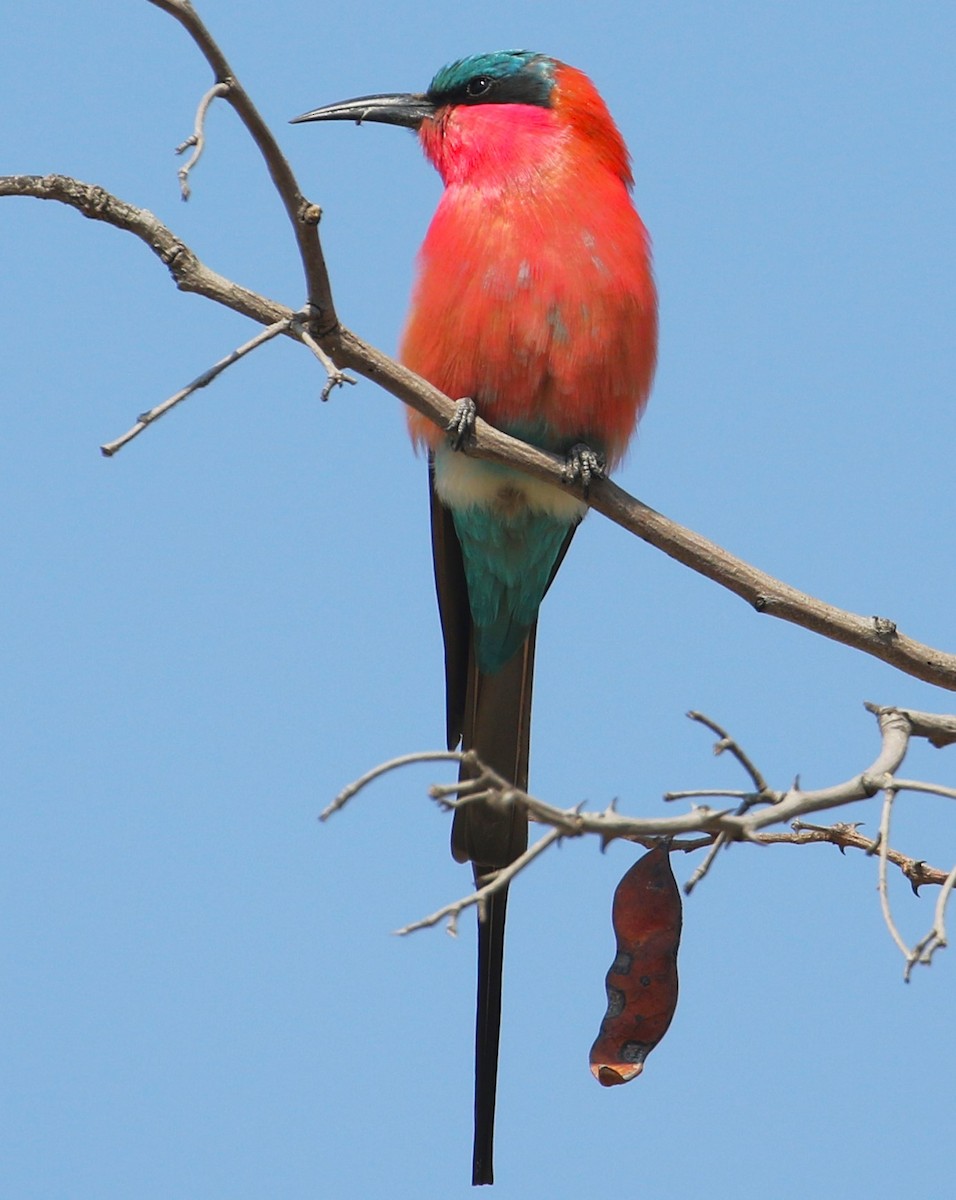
[{"x": 206, "y": 637}]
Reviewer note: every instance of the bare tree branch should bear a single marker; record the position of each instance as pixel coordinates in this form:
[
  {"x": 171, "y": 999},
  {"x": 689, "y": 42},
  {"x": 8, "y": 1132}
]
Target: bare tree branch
[
  {"x": 874, "y": 636},
  {"x": 782, "y": 806},
  {"x": 147, "y": 418},
  {"x": 302, "y": 213},
  {"x": 188, "y": 272},
  {"x": 488, "y": 786},
  {"x": 719, "y": 828}
]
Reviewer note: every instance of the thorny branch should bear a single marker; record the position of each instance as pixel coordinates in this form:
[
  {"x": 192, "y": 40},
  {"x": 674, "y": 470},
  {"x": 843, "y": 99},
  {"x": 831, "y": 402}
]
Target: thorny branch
[
  {"x": 846, "y": 835},
  {"x": 717, "y": 827},
  {"x": 936, "y": 939}
]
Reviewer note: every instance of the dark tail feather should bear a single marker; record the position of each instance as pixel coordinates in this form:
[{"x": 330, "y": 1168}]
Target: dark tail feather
[
  {"x": 490, "y": 714},
  {"x": 497, "y": 726},
  {"x": 491, "y": 946}
]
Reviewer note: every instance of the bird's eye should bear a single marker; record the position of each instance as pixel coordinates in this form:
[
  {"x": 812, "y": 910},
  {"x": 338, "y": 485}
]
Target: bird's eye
[{"x": 479, "y": 86}]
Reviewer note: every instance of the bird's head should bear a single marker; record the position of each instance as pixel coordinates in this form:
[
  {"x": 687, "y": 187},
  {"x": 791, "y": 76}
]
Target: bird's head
[
  {"x": 493, "y": 108},
  {"x": 505, "y": 77}
]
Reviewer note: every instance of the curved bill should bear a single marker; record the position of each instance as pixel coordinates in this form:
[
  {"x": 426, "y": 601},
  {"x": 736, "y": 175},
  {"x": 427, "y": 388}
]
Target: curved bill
[{"x": 407, "y": 110}]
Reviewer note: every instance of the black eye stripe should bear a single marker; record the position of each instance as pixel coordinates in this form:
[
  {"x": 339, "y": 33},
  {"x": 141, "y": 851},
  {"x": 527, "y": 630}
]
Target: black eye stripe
[{"x": 487, "y": 87}]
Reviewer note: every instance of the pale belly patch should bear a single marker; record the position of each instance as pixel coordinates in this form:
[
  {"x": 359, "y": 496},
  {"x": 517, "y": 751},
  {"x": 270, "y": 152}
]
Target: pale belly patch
[{"x": 462, "y": 482}]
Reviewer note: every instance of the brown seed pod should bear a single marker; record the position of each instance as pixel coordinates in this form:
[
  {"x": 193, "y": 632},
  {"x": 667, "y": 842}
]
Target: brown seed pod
[{"x": 642, "y": 982}]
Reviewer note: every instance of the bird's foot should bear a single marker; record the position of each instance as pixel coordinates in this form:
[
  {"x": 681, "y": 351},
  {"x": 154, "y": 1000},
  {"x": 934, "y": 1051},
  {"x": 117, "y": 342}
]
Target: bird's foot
[
  {"x": 462, "y": 424},
  {"x": 583, "y": 464}
]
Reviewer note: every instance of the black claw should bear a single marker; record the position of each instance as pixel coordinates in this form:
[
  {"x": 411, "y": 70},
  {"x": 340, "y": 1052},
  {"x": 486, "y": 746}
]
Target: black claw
[
  {"x": 462, "y": 424},
  {"x": 583, "y": 464}
]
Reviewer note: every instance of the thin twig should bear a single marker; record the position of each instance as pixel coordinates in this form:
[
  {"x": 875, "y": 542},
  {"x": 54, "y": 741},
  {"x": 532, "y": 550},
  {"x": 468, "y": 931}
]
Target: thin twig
[
  {"x": 393, "y": 764},
  {"x": 702, "y": 793},
  {"x": 720, "y": 842},
  {"x": 941, "y": 903},
  {"x": 915, "y": 785},
  {"x": 727, "y": 743},
  {"x": 197, "y": 138},
  {"x": 147, "y": 418},
  {"x": 461, "y": 788},
  {"x": 334, "y": 377},
  {"x": 747, "y": 800},
  {"x": 302, "y": 213},
  {"x": 884, "y": 842},
  {"x": 894, "y": 741},
  {"x": 936, "y": 939},
  {"x": 501, "y": 879}
]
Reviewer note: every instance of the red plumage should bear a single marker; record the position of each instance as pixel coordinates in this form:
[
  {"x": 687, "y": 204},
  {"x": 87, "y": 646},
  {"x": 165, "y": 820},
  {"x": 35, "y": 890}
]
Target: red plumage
[{"x": 535, "y": 295}]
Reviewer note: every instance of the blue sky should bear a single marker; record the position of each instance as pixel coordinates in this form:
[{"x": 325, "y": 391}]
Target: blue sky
[{"x": 204, "y": 638}]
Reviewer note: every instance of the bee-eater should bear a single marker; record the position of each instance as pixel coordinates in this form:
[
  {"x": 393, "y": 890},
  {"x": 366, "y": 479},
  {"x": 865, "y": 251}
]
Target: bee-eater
[{"x": 535, "y": 303}]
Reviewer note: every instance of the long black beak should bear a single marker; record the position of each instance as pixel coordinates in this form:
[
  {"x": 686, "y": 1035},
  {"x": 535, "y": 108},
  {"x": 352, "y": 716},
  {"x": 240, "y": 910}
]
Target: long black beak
[{"x": 408, "y": 110}]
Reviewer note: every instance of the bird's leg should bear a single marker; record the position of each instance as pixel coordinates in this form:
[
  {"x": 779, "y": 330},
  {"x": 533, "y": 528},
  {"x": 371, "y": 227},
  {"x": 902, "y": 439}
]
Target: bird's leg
[
  {"x": 582, "y": 464},
  {"x": 462, "y": 424}
]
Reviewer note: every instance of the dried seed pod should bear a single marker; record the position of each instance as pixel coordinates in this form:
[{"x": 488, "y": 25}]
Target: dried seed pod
[{"x": 642, "y": 982}]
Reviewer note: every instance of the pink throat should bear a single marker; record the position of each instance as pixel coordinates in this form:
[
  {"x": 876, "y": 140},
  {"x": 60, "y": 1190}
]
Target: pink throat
[{"x": 490, "y": 143}]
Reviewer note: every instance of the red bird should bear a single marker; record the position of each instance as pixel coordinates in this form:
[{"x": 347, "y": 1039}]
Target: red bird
[{"x": 535, "y": 301}]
